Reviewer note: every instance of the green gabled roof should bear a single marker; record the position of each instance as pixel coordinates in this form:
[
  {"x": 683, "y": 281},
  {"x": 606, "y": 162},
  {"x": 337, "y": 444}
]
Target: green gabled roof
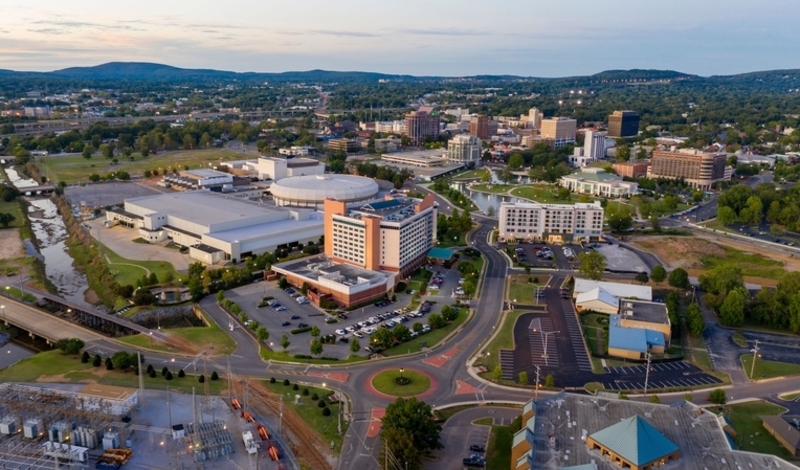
[{"x": 635, "y": 440}]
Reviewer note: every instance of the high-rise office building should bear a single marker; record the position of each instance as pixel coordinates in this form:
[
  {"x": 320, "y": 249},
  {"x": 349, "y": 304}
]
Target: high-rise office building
[
  {"x": 594, "y": 145},
  {"x": 464, "y": 149},
  {"x": 534, "y": 118},
  {"x": 479, "y": 126},
  {"x": 559, "y": 130},
  {"x": 422, "y": 124},
  {"x": 701, "y": 170},
  {"x": 623, "y": 124}
]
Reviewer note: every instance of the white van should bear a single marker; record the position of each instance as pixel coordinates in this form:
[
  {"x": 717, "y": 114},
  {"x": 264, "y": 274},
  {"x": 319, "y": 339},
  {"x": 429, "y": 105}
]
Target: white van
[{"x": 301, "y": 300}]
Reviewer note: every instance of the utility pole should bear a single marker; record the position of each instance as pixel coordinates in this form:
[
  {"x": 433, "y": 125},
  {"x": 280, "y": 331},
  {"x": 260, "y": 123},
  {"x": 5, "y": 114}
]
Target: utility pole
[
  {"x": 536, "y": 392},
  {"x": 141, "y": 379},
  {"x": 755, "y": 355},
  {"x": 647, "y": 373}
]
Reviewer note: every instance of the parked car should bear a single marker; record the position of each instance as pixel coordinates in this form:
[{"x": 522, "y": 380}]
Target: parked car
[
  {"x": 477, "y": 448},
  {"x": 301, "y": 300},
  {"x": 340, "y": 332},
  {"x": 301, "y": 325},
  {"x": 330, "y": 320},
  {"x": 295, "y": 317},
  {"x": 280, "y": 308},
  {"x": 286, "y": 323},
  {"x": 344, "y": 339}
]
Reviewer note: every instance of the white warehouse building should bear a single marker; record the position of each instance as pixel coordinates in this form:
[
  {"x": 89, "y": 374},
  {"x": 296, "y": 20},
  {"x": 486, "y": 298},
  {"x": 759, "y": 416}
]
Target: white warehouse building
[
  {"x": 217, "y": 228},
  {"x": 555, "y": 223}
]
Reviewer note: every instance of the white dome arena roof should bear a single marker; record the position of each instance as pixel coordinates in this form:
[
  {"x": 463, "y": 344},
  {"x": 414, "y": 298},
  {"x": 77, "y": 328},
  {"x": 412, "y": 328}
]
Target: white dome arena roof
[{"x": 314, "y": 189}]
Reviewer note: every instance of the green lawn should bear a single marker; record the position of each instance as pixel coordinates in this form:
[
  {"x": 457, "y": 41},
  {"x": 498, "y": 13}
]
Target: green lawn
[
  {"x": 451, "y": 242},
  {"x": 521, "y": 292},
  {"x": 54, "y": 365},
  {"x": 419, "y": 281},
  {"x": 503, "y": 340},
  {"x": 471, "y": 174},
  {"x": 790, "y": 396},
  {"x": 279, "y": 355},
  {"x": 591, "y": 325},
  {"x": 715, "y": 224},
  {"x": 754, "y": 265},
  {"x": 751, "y": 435},
  {"x": 498, "y": 453},
  {"x": 144, "y": 342},
  {"x": 385, "y": 383},
  {"x": 768, "y": 369},
  {"x": 127, "y": 271},
  {"x": 326, "y": 427},
  {"x": 16, "y": 293},
  {"x": 493, "y": 188},
  {"x": 545, "y": 194},
  {"x": 211, "y": 338},
  {"x": 14, "y": 209},
  {"x": 698, "y": 353},
  {"x": 76, "y": 168},
  {"x": 488, "y": 421},
  {"x": 429, "y": 339}
]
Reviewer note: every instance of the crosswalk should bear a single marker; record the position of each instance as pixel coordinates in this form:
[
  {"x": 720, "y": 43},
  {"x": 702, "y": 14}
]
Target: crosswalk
[
  {"x": 537, "y": 342},
  {"x": 575, "y": 336}
]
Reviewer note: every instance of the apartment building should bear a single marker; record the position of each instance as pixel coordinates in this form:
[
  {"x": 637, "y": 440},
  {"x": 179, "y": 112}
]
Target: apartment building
[
  {"x": 422, "y": 124},
  {"x": 623, "y": 124},
  {"x": 479, "y": 126},
  {"x": 464, "y": 149},
  {"x": 700, "y": 169},
  {"x": 559, "y": 130},
  {"x": 554, "y": 223},
  {"x": 393, "y": 234}
]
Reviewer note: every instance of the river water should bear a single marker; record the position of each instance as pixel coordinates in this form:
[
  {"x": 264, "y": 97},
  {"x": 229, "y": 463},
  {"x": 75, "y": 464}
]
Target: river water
[
  {"x": 11, "y": 353},
  {"x": 485, "y": 200},
  {"x": 51, "y": 233}
]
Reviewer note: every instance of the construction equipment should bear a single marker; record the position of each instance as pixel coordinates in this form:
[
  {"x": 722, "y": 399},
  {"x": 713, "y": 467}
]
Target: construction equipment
[
  {"x": 262, "y": 431},
  {"x": 235, "y": 404}
]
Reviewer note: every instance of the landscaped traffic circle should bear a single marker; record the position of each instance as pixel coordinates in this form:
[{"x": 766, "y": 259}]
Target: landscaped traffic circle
[{"x": 397, "y": 383}]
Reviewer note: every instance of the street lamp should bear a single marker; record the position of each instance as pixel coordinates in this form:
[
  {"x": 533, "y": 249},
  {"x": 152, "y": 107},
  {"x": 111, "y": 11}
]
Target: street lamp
[
  {"x": 3, "y": 307},
  {"x": 755, "y": 354},
  {"x": 401, "y": 373}
]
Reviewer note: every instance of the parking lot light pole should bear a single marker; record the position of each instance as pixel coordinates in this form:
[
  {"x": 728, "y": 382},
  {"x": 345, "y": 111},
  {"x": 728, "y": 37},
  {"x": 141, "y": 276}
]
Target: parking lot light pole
[
  {"x": 646, "y": 373},
  {"x": 753, "y": 365}
]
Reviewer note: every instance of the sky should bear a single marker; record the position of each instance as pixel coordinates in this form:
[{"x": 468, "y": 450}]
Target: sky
[{"x": 418, "y": 37}]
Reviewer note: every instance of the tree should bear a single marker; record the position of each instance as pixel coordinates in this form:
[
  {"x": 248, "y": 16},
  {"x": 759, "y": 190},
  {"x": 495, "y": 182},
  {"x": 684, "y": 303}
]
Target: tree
[
  {"x": 109, "y": 364},
  {"x": 355, "y": 346},
  {"x": 97, "y": 360},
  {"x": 85, "y": 357},
  {"x": 732, "y": 309},
  {"x": 262, "y": 334},
  {"x": 6, "y": 218},
  {"x": 516, "y": 161},
  {"x": 122, "y": 360},
  {"x": 285, "y": 342},
  {"x": 168, "y": 376},
  {"x": 401, "y": 333},
  {"x": 717, "y": 396},
  {"x": 214, "y": 376},
  {"x": 620, "y": 221},
  {"x": 400, "y": 443},
  {"x": 726, "y": 215},
  {"x": 436, "y": 321},
  {"x": 654, "y": 399},
  {"x": 549, "y": 381},
  {"x": 592, "y": 264},
  {"x": 181, "y": 374},
  {"x": 88, "y": 150},
  {"x": 490, "y": 211},
  {"x": 497, "y": 373},
  {"x": 316, "y": 347},
  {"x": 414, "y": 417},
  {"x": 623, "y": 153},
  {"x": 679, "y": 279},
  {"x": 202, "y": 378},
  {"x": 642, "y": 277},
  {"x": 658, "y": 274},
  {"x": 383, "y": 338},
  {"x": 523, "y": 378},
  {"x": 449, "y": 313},
  {"x": 695, "y": 320}
]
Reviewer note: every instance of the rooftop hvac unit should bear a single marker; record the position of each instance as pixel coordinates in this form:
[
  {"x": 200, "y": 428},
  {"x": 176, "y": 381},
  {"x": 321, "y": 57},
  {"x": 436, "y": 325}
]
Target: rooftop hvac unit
[
  {"x": 8, "y": 425},
  {"x": 31, "y": 428}
]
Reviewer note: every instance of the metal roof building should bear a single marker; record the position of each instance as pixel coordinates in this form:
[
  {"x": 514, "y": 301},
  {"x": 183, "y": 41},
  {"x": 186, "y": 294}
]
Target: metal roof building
[
  {"x": 312, "y": 190},
  {"x": 634, "y": 442},
  {"x": 623, "y": 291}
]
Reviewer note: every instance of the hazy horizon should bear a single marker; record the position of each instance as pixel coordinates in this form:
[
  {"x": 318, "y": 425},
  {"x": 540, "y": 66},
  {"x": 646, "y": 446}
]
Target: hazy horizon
[{"x": 412, "y": 37}]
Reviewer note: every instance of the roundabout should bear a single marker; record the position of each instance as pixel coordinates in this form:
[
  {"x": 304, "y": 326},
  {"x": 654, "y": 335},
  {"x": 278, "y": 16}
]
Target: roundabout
[{"x": 400, "y": 383}]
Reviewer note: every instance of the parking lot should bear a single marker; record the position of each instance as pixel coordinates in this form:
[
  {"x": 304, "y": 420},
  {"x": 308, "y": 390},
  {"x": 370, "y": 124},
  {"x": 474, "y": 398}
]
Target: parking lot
[
  {"x": 662, "y": 375},
  {"x": 541, "y": 255},
  {"x": 619, "y": 258},
  {"x": 106, "y": 194},
  {"x": 287, "y": 314}
]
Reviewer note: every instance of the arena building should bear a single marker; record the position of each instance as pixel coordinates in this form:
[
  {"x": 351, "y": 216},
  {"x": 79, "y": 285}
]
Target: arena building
[{"x": 313, "y": 190}]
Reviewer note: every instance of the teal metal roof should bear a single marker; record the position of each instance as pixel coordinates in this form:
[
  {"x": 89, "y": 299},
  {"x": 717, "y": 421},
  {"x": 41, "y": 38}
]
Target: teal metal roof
[
  {"x": 631, "y": 339},
  {"x": 441, "y": 253},
  {"x": 635, "y": 440},
  {"x": 381, "y": 205}
]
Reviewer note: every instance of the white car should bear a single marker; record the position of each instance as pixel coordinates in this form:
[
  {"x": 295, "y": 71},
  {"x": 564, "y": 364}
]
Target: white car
[
  {"x": 350, "y": 329},
  {"x": 362, "y": 324},
  {"x": 358, "y": 334},
  {"x": 340, "y": 332}
]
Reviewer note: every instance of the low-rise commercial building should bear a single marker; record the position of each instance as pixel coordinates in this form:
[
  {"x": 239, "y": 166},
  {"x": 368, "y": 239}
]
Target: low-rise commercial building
[
  {"x": 559, "y": 130},
  {"x": 639, "y": 328},
  {"x": 216, "y": 228},
  {"x": 556, "y": 223},
  {"x": 633, "y": 169},
  {"x": 345, "y": 145},
  {"x": 596, "y": 182},
  {"x": 419, "y": 158},
  {"x": 275, "y": 168}
]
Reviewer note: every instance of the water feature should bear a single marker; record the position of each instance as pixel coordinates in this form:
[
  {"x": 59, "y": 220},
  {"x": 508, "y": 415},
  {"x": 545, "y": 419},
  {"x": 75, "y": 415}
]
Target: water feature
[
  {"x": 19, "y": 181},
  {"x": 50, "y": 231},
  {"x": 485, "y": 200},
  {"x": 11, "y": 353}
]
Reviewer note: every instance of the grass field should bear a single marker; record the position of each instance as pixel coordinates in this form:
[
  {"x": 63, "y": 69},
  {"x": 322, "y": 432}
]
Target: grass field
[
  {"x": 471, "y": 174},
  {"x": 498, "y": 453},
  {"x": 751, "y": 435},
  {"x": 493, "y": 188},
  {"x": 144, "y": 342},
  {"x": 751, "y": 264},
  {"x": 545, "y": 194},
  {"x": 18, "y": 294},
  {"x": 54, "y": 366},
  {"x": 768, "y": 369},
  {"x": 325, "y": 426},
  {"x": 591, "y": 327},
  {"x": 74, "y": 169},
  {"x": 127, "y": 271},
  {"x": 429, "y": 339},
  {"x": 520, "y": 291},
  {"x": 14, "y": 209},
  {"x": 503, "y": 340},
  {"x": 445, "y": 242},
  {"x": 385, "y": 383},
  {"x": 210, "y": 338}
]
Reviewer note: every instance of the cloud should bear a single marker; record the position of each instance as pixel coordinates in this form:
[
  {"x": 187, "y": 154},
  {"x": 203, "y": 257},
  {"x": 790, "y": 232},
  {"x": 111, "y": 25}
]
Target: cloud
[
  {"x": 346, "y": 34},
  {"x": 50, "y": 31},
  {"x": 443, "y": 32},
  {"x": 88, "y": 25}
]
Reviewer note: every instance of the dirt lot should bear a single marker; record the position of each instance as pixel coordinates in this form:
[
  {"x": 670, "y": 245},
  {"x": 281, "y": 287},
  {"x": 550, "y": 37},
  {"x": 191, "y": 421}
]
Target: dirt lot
[
  {"x": 687, "y": 253},
  {"x": 10, "y": 244}
]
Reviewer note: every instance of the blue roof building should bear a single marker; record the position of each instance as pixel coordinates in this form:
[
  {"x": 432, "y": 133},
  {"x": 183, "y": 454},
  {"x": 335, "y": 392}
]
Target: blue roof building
[{"x": 634, "y": 443}]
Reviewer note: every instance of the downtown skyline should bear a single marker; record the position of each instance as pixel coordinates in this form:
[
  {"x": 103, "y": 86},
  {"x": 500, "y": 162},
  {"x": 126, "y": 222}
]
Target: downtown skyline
[{"x": 411, "y": 37}]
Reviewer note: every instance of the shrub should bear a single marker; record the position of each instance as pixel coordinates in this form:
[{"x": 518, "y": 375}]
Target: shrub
[
  {"x": 109, "y": 364},
  {"x": 168, "y": 376},
  {"x": 150, "y": 368},
  {"x": 326, "y": 411},
  {"x": 315, "y": 397},
  {"x": 285, "y": 382},
  {"x": 272, "y": 380},
  {"x": 152, "y": 373},
  {"x": 214, "y": 376},
  {"x": 181, "y": 374},
  {"x": 85, "y": 357},
  {"x": 164, "y": 371},
  {"x": 297, "y": 331},
  {"x": 305, "y": 392},
  {"x": 328, "y": 358},
  {"x": 97, "y": 360},
  {"x": 295, "y": 387},
  {"x": 322, "y": 404},
  {"x": 202, "y": 378}
]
